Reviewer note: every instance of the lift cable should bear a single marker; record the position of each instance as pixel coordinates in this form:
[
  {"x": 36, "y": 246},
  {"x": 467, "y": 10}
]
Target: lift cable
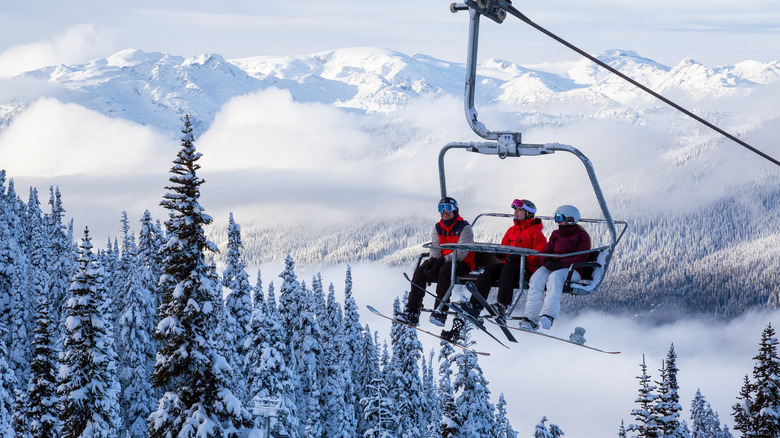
[{"x": 512, "y": 10}]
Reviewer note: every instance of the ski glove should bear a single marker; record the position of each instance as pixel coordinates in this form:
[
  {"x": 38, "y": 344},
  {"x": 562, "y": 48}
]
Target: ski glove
[
  {"x": 553, "y": 264},
  {"x": 513, "y": 258},
  {"x": 433, "y": 266}
]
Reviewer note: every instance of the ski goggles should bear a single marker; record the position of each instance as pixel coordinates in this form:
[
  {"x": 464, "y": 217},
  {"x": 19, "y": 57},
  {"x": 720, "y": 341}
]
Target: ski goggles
[
  {"x": 527, "y": 206},
  {"x": 447, "y": 207},
  {"x": 559, "y": 218}
]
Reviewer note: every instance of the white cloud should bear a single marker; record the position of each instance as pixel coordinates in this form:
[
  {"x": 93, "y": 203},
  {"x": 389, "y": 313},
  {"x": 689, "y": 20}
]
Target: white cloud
[
  {"x": 102, "y": 165},
  {"x": 51, "y": 139},
  {"x": 79, "y": 43}
]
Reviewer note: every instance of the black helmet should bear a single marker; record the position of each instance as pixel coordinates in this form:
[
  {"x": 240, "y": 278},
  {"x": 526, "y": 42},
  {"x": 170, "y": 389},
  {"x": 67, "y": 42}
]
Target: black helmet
[{"x": 448, "y": 204}]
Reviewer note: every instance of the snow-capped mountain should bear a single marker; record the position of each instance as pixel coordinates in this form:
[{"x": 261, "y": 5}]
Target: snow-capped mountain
[{"x": 157, "y": 89}]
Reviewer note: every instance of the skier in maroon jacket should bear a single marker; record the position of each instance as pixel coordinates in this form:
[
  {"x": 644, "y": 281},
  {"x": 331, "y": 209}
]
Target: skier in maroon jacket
[{"x": 541, "y": 308}]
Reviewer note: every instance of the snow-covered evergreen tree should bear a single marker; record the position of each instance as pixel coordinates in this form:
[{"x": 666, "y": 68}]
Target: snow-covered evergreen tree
[
  {"x": 150, "y": 240},
  {"x": 267, "y": 373},
  {"x": 540, "y": 431},
  {"x": 135, "y": 326},
  {"x": 7, "y": 258},
  {"x": 355, "y": 339},
  {"x": 433, "y": 413},
  {"x": 503, "y": 428},
  {"x": 757, "y": 412},
  {"x": 555, "y": 431},
  {"x": 60, "y": 254},
  {"x": 309, "y": 356},
  {"x": 404, "y": 380},
  {"x": 667, "y": 406},
  {"x": 646, "y": 425},
  {"x": 337, "y": 371},
  {"x": 705, "y": 422},
  {"x": 450, "y": 417},
  {"x": 42, "y": 418},
  {"x": 7, "y": 383},
  {"x": 88, "y": 387},
  {"x": 473, "y": 400},
  {"x": 291, "y": 303},
  {"x": 238, "y": 308},
  {"x": 376, "y": 406},
  {"x": 197, "y": 399}
]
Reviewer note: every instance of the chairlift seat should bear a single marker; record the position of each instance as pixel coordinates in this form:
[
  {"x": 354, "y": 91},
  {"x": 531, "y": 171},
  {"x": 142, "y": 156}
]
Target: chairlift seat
[{"x": 592, "y": 274}]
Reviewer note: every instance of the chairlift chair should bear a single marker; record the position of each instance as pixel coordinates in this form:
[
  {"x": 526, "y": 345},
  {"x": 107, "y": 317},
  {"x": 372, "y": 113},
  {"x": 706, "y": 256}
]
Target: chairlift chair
[{"x": 510, "y": 145}]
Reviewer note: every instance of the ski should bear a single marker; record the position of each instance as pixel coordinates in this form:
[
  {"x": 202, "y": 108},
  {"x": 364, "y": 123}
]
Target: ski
[
  {"x": 557, "y": 338},
  {"x": 477, "y": 296},
  {"x": 461, "y": 313},
  {"x": 463, "y": 347}
]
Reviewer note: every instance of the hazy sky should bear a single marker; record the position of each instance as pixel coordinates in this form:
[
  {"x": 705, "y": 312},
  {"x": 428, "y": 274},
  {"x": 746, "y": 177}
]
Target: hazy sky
[{"x": 713, "y": 32}]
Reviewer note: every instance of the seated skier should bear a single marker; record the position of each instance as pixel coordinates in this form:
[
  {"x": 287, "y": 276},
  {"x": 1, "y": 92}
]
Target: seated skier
[
  {"x": 452, "y": 228},
  {"x": 526, "y": 232},
  {"x": 541, "y": 308}
]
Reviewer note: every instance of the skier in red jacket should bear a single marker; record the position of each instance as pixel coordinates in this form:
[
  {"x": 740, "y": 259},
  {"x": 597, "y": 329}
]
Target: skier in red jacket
[
  {"x": 525, "y": 233},
  {"x": 452, "y": 228},
  {"x": 541, "y": 308}
]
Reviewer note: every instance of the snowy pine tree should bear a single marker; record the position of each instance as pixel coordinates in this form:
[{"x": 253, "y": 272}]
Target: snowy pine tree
[
  {"x": 473, "y": 400},
  {"x": 404, "y": 380},
  {"x": 503, "y": 428},
  {"x": 238, "y": 306},
  {"x": 7, "y": 383},
  {"x": 757, "y": 413},
  {"x": 705, "y": 422},
  {"x": 41, "y": 418},
  {"x": 667, "y": 405},
  {"x": 376, "y": 406},
  {"x": 540, "y": 431},
  {"x": 337, "y": 371},
  {"x": 150, "y": 240},
  {"x": 197, "y": 401},
  {"x": 135, "y": 325},
  {"x": 308, "y": 352},
  {"x": 87, "y": 379},
  {"x": 647, "y": 425},
  {"x": 355, "y": 343},
  {"x": 267, "y": 373},
  {"x": 432, "y": 414},
  {"x": 450, "y": 418},
  {"x": 60, "y": 254}
]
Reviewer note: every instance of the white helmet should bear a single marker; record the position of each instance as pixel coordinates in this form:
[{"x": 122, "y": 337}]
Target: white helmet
[{"x": 567, "y": 214}]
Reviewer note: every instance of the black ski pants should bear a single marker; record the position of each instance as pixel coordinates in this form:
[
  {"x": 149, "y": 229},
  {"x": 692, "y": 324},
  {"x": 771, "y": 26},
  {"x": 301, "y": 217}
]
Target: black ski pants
[
  {"x": 508, "y": 276},
  {"x": 428, "y": 272}
]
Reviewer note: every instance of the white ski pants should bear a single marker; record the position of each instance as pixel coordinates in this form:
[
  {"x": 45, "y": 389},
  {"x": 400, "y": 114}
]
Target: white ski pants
[{"x": 540, "y": 303}]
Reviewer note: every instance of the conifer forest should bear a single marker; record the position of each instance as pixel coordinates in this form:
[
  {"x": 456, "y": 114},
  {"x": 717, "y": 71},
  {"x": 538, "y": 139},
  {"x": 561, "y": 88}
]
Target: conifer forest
[{"x": 144, "y": 338}]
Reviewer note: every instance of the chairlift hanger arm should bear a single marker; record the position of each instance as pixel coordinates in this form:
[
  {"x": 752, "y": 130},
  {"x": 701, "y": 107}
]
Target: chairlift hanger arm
[{"x": 511, "y": 149}]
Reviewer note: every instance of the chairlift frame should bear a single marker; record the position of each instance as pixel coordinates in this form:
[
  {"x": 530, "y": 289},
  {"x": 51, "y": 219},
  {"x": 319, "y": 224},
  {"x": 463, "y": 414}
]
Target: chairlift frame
[{"x": 509, "y": 144}]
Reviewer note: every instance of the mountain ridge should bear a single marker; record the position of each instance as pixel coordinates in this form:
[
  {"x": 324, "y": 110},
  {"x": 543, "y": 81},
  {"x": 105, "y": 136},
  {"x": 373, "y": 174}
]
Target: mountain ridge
[{"x": 156, "y": 89}]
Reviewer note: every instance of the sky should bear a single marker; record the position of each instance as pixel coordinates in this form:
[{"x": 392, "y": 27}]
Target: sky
[{"x": 713, "y": 32}]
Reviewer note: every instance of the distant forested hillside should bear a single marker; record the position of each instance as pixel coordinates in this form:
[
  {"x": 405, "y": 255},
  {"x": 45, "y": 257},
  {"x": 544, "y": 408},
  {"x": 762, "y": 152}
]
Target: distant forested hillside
[{"x": 720, "y": 260}]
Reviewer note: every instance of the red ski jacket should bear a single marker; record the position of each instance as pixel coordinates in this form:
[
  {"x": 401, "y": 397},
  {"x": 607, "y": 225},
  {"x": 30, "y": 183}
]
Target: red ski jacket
[
  {"x": 526, "y": 234},
  {"x": 452, "y": 234}
]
